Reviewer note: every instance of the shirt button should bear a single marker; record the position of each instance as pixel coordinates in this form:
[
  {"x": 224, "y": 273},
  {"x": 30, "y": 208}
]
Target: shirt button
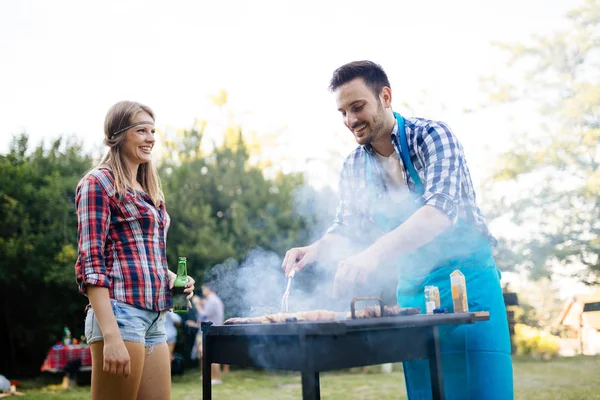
[{"x": 161, "y": 226}]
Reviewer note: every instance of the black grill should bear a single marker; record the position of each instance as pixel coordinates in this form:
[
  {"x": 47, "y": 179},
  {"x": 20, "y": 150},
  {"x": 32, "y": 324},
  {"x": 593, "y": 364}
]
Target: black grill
[{"x": 314, "y": 347}]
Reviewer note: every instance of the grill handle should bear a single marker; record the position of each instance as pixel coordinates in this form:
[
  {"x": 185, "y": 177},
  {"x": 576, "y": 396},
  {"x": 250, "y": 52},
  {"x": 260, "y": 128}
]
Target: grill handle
[{"x": 365, "y": 298}]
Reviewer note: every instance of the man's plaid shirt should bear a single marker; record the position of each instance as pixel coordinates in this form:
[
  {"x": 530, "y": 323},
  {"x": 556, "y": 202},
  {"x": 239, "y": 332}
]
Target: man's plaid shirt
[
  {"x": 122, "y": 243},
  {"x": 438, "y": 158}
]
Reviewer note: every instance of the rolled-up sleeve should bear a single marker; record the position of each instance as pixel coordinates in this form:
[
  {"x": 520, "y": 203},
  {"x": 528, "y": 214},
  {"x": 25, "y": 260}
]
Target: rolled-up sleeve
[
  {"x": 93, "y": 220},
  {"x": 443, "y": 156}
]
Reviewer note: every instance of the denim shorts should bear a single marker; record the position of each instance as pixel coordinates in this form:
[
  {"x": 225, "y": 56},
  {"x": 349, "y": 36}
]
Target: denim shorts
[{"x": 135, "y": 324}]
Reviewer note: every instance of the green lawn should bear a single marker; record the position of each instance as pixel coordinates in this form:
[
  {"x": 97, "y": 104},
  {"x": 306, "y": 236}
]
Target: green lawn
[{"x": 573, "y": 378}]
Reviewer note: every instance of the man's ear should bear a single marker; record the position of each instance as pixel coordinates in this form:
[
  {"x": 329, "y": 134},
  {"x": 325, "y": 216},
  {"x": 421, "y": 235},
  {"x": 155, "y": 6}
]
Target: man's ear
[{"x": 386, "y": 97}]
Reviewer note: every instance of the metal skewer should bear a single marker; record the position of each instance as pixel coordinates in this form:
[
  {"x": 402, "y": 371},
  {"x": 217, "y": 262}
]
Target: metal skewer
[{"x": 286, "y": 294}]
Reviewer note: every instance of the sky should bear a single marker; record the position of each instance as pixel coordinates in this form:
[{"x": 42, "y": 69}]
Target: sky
[{"x": 64, "y": 63}]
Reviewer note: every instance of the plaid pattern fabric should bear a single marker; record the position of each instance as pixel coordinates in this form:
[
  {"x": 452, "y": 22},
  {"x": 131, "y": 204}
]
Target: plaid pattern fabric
[
  {"x": 59, "y": 356},
  {"x": 438, "y": 158},
  {"x": 122, "y": 243}
]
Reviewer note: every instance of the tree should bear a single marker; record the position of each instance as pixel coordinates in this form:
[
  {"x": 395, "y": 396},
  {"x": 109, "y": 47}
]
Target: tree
[
  {"x": 550, "y": 183},
  {"x": 38, "y": 239},
  {"x": 227, "y": 212},
  {"x": 221, "y": 205}
]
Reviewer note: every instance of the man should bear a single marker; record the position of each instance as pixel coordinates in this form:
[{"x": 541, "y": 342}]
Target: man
[{"x": 407, "y": 201}]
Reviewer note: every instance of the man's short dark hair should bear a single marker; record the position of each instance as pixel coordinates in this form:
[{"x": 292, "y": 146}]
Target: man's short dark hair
[{"x": 373, "y": 75}]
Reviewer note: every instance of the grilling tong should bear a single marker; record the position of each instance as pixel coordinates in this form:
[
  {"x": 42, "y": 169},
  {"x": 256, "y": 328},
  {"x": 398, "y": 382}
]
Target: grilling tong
[{"x": 286, "y": 294}]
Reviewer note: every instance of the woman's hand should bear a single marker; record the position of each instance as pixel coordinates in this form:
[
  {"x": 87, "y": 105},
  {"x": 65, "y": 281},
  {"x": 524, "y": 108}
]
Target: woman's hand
[
  {"x": 189, "y": 288},
  {"x": 115, "y": 354},
  {"x": 116, "y": 357}
]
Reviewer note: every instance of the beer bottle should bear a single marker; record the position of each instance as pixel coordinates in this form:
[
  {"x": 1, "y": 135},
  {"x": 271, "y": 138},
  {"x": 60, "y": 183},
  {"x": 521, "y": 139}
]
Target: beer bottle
[{"x": 180, "y": 302}]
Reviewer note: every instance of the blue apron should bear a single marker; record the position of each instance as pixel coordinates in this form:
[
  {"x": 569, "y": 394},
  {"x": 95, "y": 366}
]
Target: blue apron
[{"x": 476, "y": 361}]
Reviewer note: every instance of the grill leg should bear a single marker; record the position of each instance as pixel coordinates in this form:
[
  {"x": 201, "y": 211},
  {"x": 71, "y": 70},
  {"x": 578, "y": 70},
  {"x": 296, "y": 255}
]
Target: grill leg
[
  {"x": 311, "y": 389},
  {"x": 206, "y": 363},
  {"x": 435, "y": 366}
]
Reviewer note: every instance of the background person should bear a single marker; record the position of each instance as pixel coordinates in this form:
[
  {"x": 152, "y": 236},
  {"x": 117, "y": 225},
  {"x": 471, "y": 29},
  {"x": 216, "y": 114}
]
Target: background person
[
  {"x": 210, "y": 309},
  {"x": 172, "y": 321}
]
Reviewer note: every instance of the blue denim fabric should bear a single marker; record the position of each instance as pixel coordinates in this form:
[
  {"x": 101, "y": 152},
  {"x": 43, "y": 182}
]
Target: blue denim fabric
[{"x": 135, "y": 324}]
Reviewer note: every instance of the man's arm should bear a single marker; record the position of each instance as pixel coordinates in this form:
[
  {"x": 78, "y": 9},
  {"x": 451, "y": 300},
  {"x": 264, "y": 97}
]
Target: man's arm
[
  {"x": 442, "y": 156},
  {"x": 418, "y": 230},
  {"x": 444, "y": 161}
]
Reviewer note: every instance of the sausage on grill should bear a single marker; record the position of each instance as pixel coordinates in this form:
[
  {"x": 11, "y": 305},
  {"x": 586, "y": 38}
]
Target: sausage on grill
[{"x": 321, "y": 315}]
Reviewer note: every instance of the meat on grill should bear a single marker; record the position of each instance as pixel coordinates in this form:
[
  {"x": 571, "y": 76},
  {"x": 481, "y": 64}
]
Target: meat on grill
[
  {"x": 323, "y": 315},
  {"x": 313, "y": 315}
]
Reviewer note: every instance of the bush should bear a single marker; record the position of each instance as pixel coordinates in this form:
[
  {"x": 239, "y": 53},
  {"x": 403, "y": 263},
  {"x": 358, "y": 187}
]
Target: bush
[{"x": 533, "y": 342}]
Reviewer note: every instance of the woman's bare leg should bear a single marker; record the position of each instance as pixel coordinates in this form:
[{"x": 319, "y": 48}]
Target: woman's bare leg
[
  {"x": 112, "y": 387},
  {"x": 156, "y": 378}
]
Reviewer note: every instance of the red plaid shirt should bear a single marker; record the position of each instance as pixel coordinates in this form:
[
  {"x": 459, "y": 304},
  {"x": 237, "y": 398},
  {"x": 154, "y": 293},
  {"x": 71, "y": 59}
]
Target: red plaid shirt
[{"x": 121, "y": 243}]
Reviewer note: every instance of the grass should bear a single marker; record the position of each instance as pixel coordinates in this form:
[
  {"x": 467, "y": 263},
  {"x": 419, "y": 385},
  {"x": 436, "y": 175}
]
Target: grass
[{"x": 572, "y": 378}]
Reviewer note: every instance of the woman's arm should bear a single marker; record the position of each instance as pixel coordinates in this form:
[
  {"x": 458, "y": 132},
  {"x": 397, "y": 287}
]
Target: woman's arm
[{"x": 116, "y": 356}]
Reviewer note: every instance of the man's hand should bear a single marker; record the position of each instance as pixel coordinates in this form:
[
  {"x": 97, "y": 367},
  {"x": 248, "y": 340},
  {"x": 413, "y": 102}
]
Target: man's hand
[
  {"x": 352, "y": 270},
  {"x": 298, "y": 257}
]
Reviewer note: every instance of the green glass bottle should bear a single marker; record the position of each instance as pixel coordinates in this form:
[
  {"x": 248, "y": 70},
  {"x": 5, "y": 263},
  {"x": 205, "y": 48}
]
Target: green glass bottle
[{"x": 180, "y": 302}]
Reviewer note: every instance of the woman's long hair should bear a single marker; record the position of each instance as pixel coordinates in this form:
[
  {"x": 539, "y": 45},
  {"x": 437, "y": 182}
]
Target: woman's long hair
[{"x": 119, "y": 116}]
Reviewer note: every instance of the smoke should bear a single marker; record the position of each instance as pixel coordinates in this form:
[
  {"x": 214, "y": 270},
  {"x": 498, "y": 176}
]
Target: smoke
[{"x": 255, "y": 284}]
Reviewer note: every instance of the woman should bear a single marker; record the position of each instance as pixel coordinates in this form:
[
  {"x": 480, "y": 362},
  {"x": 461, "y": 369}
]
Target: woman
[{"x": 122, "y": 265}]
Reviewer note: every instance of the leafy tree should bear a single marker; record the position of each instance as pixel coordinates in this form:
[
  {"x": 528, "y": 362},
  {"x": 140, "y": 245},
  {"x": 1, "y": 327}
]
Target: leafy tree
[
  {"x": 38, "y": 249},
  {"x": 550, "y": 183},
  {"x": 222, "y": 206}
]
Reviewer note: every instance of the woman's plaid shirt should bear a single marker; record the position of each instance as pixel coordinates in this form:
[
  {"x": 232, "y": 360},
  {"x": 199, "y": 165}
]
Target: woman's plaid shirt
[
  {"x": 122, "y": 243},
  {"x": 438, "y": 158}
]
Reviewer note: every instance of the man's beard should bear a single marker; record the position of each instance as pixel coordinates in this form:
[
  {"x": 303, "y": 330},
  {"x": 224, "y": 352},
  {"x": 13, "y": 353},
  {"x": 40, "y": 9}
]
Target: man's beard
[{"x": 377, "y": 125}]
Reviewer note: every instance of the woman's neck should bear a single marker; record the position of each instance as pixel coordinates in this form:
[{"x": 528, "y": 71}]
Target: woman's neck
[{"x": 133, "y": 168}]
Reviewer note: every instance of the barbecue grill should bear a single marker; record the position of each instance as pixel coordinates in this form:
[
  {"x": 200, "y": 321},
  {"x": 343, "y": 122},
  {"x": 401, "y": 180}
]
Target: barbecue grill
[{"x": 314, "y": 347}]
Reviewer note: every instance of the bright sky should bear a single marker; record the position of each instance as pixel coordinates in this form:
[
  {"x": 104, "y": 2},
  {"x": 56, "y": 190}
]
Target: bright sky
[{"x": 64, "y": 63}]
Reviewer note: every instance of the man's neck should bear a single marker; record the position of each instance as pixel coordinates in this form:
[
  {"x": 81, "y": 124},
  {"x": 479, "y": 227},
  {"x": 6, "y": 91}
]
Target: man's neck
[{"x": 383, "y": 144}]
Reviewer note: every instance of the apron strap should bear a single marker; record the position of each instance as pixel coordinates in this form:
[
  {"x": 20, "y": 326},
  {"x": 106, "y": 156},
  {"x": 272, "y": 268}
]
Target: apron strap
[{"x": 405, "y": 154}]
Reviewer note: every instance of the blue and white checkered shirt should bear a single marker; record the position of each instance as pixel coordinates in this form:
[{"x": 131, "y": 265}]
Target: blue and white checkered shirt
[{"x": 438, "y": 158}]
